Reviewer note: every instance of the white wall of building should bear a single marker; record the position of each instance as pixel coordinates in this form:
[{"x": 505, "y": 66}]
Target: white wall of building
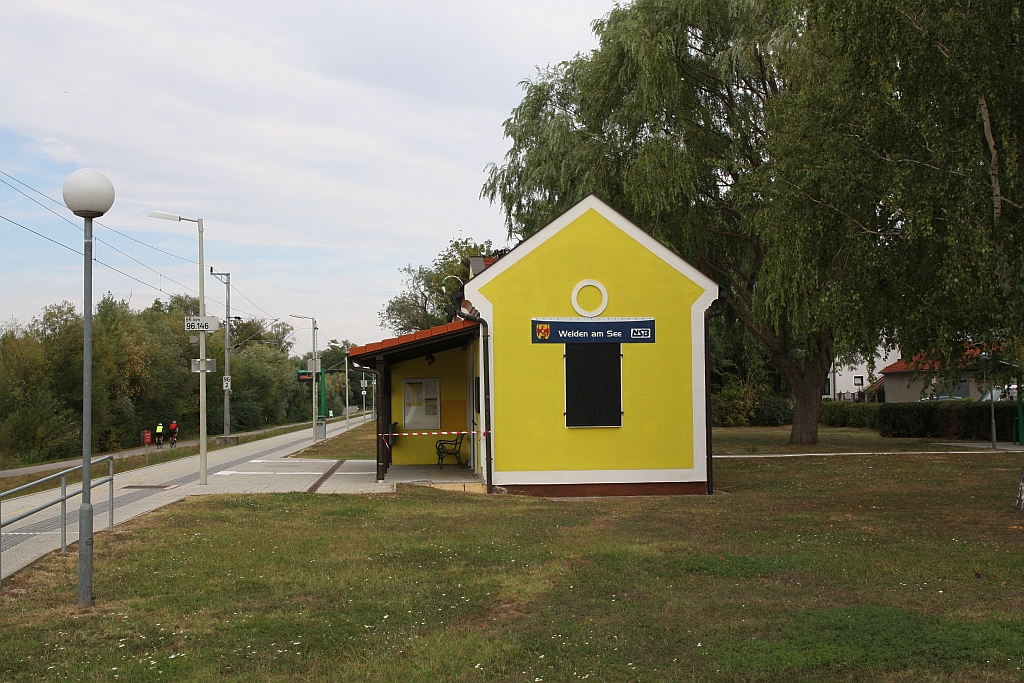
[{"x": 849, "y": 379}]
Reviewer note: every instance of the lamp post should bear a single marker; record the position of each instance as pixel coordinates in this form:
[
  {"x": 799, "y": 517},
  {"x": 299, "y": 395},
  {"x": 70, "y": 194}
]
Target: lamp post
[
  {"x": 89, "y": 194},
  {"x": 202, "y": 339},
  {"x": 314, "y": 369},
  {"x": 226, "y": 279}
]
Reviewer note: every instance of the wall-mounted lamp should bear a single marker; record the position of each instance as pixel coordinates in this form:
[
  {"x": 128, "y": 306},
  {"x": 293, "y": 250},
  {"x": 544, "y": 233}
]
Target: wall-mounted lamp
[{"x": 429, "y": 358}]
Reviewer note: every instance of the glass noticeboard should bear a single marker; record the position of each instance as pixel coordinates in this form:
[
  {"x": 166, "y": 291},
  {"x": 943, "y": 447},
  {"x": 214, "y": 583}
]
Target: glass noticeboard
[{"x": 422, "y": 403}]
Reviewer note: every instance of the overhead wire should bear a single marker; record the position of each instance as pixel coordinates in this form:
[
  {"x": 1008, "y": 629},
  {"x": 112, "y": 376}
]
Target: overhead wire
[
  {"x": 128, "y": 256},
  {"x": 61, "y": 204},
  {"x": 75, "y": 251},
  {"x": 118, "y": 270}
]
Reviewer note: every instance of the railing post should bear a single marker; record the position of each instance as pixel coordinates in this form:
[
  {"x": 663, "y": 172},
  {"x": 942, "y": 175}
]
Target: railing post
[
  {"x": 63, "y": 515},
  {"x": 110, "y": 522}
]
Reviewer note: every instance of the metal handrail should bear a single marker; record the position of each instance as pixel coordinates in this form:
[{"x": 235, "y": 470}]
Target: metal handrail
[{"x": 64, "y": 497}]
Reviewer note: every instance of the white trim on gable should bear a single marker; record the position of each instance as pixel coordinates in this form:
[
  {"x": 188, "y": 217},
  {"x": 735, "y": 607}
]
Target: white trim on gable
[{"x": 618, "y": 220}]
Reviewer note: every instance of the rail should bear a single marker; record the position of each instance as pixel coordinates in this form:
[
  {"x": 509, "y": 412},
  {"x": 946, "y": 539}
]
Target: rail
[{"x": 63, "y": 499}]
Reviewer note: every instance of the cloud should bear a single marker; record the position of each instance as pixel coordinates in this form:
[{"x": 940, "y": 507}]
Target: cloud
[{"x": 349, "y": 134}]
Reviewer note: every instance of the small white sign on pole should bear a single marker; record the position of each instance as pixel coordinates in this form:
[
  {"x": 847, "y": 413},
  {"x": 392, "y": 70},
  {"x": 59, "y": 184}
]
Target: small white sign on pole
[
  {"x": 210, "y": 363},
  {"x": 205, "y": 323},
  {"x": 227, "y": 382}
]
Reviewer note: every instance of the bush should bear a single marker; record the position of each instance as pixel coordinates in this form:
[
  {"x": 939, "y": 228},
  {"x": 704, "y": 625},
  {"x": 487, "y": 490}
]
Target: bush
[
  {"x": 964, "y": 419},
  {"x": 730, "y": 407},
  {"x": 849, "y": 414},
  {"x": 773, "y": 411}
]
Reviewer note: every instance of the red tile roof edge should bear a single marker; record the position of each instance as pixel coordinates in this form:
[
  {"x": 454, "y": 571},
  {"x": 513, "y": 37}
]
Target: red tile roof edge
[
  {"x": 902, "y": 366},
  {"x": 419, "y": 335}
]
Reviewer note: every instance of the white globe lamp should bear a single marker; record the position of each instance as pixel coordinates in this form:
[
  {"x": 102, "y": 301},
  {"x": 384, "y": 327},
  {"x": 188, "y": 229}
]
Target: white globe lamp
[{"x": 88, "y": 193}]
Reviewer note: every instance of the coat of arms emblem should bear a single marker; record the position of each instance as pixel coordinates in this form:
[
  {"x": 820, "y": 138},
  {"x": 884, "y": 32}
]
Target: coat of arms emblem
[{"x": 543, "y": 330}]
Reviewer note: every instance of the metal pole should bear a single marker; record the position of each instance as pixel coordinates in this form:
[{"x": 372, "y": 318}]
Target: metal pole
[
  {"x": 346, "y": 389},
  {"x": 110, "y": 476},
  {"x": 227, "y": 352},
  {"x": 85, "y": 510},
  {"x": 314, "y": 379},
  {"x": 64, "y": 515},
  {"x": 992, "y": 413},
  {"x": 1020, "y": 413},
  {"x": 202, "y": 363},
  {"x": 488, "y": 436},
  {"x": 708, "y": 440}
]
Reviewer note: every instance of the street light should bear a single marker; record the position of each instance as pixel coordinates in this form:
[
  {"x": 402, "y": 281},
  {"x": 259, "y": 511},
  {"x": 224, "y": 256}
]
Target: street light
[
  {"x": 89, "y": 194},
  {"x": 202, "y": 340},
  {"x": 312, "y": 367}
]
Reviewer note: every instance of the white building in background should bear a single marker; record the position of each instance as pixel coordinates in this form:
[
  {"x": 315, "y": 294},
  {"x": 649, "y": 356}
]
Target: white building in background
[{"x": 848, "y": 382}]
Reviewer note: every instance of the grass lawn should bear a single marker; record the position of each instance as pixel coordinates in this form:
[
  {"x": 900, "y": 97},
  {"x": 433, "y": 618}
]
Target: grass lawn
[
  {"x": 873, "y": 568},
  {"x": 356, "y": 444},
  {"x": 740, "y": 440}
]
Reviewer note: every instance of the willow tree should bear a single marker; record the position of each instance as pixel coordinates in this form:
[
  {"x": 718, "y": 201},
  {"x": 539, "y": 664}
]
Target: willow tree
[
  {"x": 926, "y": 100},
  {"x": 671, "y": 121}
]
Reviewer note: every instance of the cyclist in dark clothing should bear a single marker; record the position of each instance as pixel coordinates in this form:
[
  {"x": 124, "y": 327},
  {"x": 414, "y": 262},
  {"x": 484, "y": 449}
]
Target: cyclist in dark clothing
[{"x": 173, "y": 432}]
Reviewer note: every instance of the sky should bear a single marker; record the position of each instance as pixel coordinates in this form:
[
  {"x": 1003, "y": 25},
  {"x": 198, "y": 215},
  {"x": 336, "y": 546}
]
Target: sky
[{"x": 324, "y": 144}]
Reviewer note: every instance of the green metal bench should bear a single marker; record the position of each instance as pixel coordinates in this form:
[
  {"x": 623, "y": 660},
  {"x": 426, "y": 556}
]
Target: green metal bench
[{"x": 449, "y": 448}]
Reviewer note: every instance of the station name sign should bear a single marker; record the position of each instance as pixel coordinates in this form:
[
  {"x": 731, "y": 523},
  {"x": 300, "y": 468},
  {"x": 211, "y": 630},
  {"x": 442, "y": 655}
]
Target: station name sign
[{"x": 593, "y": 330}]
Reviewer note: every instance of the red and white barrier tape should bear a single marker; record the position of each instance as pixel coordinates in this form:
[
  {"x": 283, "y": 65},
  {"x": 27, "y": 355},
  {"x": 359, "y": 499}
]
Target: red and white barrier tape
[
  {"x": 383, "y": 437},
  {"x": 433, "y": 433}
]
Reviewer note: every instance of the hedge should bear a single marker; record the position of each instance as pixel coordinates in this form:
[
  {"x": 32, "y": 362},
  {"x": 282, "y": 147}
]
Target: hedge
[
  {"x": 945, "y": 419},
  {"x": 849, "y": 414}
]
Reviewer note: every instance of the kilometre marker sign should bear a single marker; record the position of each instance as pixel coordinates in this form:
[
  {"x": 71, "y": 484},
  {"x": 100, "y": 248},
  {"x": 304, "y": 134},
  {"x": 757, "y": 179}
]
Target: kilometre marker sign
[{"x": 206, "y": 323}]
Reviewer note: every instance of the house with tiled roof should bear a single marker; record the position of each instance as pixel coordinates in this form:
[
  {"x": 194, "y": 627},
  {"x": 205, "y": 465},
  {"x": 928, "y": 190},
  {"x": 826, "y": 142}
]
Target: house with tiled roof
[{"x": 908, "y": 381}]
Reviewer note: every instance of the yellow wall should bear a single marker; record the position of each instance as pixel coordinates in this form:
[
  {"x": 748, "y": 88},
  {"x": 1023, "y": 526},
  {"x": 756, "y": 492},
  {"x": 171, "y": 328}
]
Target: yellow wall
[
  {"x": 529, "y": 379},
  {"x": 450, "y": 368}
]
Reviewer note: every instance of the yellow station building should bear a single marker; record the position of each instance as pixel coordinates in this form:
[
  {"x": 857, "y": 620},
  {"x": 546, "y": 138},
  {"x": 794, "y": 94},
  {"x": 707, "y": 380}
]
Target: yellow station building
[{"x": 587, "y": 342}]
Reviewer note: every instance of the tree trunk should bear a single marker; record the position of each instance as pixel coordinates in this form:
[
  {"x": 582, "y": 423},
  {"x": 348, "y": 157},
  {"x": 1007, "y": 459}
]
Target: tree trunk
[
  {"x": 808, "y": 382},
  {"x": 807, "y": 391}
]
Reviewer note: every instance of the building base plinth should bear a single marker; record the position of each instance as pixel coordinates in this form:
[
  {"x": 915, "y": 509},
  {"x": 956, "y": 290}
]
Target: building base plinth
[{"x": 656, "y": 488}]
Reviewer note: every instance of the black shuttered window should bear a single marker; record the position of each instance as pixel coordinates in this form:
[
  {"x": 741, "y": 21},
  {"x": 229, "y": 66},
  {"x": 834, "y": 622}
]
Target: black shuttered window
[{"x": 593, "y": 385}]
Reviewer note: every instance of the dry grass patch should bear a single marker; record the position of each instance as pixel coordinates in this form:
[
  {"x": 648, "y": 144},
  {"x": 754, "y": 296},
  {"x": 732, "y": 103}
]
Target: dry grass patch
[{"x": 359, "y": 443}]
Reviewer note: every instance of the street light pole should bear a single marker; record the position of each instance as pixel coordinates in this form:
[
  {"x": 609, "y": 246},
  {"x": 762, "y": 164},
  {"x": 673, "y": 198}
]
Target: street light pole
[
  {"x": 89, "y": 194},
  {"x": 226, "y": 279},
  {"x": 314, "y": 369},
  {"x": 202, "y": 340}
]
